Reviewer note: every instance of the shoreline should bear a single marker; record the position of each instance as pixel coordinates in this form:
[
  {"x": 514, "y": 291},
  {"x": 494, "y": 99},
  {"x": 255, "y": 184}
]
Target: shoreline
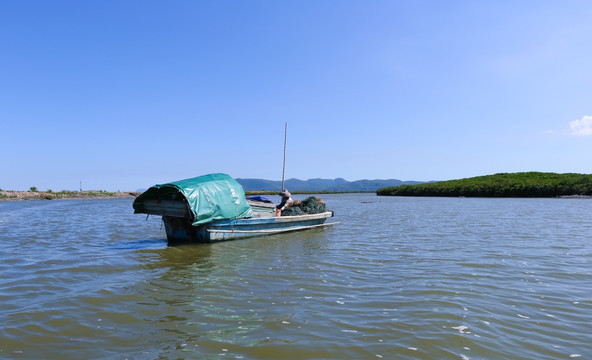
[
  {"x": 99, "y": 194},
  {"x": 45, "y": 195}
]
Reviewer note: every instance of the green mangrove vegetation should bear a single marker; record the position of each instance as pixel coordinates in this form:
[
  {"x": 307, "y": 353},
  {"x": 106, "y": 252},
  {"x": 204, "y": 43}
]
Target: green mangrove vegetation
[{"x": 523, "y": 184}]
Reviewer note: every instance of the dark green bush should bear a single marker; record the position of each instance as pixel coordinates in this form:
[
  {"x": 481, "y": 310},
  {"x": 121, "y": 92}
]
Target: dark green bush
[{"x": 526, "y": 184}]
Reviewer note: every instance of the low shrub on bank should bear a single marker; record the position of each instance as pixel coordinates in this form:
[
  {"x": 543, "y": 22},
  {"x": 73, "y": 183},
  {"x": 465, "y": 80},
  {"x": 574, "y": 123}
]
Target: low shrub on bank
[{"x": 525, "y": 184}]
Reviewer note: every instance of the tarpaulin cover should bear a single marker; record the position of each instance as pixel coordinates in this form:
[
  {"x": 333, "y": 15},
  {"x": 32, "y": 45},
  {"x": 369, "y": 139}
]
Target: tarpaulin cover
[
  {"x": 259, "y": 198},
  {"x": 210, "y": 197}
]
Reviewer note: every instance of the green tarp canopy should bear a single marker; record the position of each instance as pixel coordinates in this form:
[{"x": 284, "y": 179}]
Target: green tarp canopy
[{"x": 210, "y": 197}]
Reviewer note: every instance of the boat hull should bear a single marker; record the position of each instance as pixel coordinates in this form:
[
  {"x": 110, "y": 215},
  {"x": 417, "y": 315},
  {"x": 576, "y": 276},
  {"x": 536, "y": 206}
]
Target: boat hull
[{"x": 180, "y": 230}]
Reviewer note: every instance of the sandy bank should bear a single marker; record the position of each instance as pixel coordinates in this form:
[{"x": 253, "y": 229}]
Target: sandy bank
[{"x": 40, "y": 195}]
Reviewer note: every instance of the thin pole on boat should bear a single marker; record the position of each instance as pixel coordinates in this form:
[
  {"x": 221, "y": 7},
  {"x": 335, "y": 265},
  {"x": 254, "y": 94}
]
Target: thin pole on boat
[{"x": 285, "y": 141}]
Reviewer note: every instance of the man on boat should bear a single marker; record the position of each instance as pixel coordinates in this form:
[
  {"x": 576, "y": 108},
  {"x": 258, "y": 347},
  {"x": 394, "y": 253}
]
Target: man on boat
[{"x": 286, "y": 202}]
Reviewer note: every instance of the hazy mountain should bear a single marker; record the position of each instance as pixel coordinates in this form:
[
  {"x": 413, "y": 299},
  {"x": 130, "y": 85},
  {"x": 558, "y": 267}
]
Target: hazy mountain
[{"x": 338, "y": 184}]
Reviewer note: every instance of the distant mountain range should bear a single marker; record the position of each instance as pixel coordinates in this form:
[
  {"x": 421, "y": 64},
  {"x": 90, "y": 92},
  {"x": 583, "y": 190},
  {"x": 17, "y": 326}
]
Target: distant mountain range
[{"x": 338, "y": 184}]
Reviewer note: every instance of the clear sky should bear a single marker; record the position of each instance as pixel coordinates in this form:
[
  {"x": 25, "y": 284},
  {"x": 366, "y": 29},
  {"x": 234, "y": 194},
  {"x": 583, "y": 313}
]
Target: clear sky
[{"x": 121, "y": 95}]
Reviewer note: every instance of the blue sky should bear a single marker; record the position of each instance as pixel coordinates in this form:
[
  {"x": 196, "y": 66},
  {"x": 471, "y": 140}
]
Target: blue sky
[{"x": 122, "y": 95}]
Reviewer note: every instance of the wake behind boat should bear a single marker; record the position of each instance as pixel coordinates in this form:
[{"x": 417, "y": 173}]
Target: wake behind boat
[{"x": 213, "y": 207}]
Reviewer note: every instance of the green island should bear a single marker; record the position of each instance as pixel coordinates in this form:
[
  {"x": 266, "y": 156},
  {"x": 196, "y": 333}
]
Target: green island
[{"x": 522, "y": 184}]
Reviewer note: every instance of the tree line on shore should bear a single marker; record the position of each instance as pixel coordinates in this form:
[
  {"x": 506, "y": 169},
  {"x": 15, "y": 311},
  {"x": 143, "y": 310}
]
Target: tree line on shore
[{"x": 523, "y": 184}]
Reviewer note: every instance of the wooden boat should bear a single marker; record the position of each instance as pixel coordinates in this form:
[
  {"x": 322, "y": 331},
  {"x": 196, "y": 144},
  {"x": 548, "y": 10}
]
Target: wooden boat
[{"x": 213, "y": 208}]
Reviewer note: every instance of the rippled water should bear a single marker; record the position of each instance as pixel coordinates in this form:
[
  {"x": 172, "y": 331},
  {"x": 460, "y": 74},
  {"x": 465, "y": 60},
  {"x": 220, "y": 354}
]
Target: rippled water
[{"x": 399, "y": 278}]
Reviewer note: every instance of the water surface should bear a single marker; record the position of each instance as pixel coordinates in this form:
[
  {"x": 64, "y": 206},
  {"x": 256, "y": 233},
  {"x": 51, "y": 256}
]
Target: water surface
[{"x": 399, "y": 278}]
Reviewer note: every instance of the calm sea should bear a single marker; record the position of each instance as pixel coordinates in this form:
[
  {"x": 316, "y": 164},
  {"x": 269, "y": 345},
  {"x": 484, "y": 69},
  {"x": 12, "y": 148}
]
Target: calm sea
[{"x": 399, "y": 278}]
